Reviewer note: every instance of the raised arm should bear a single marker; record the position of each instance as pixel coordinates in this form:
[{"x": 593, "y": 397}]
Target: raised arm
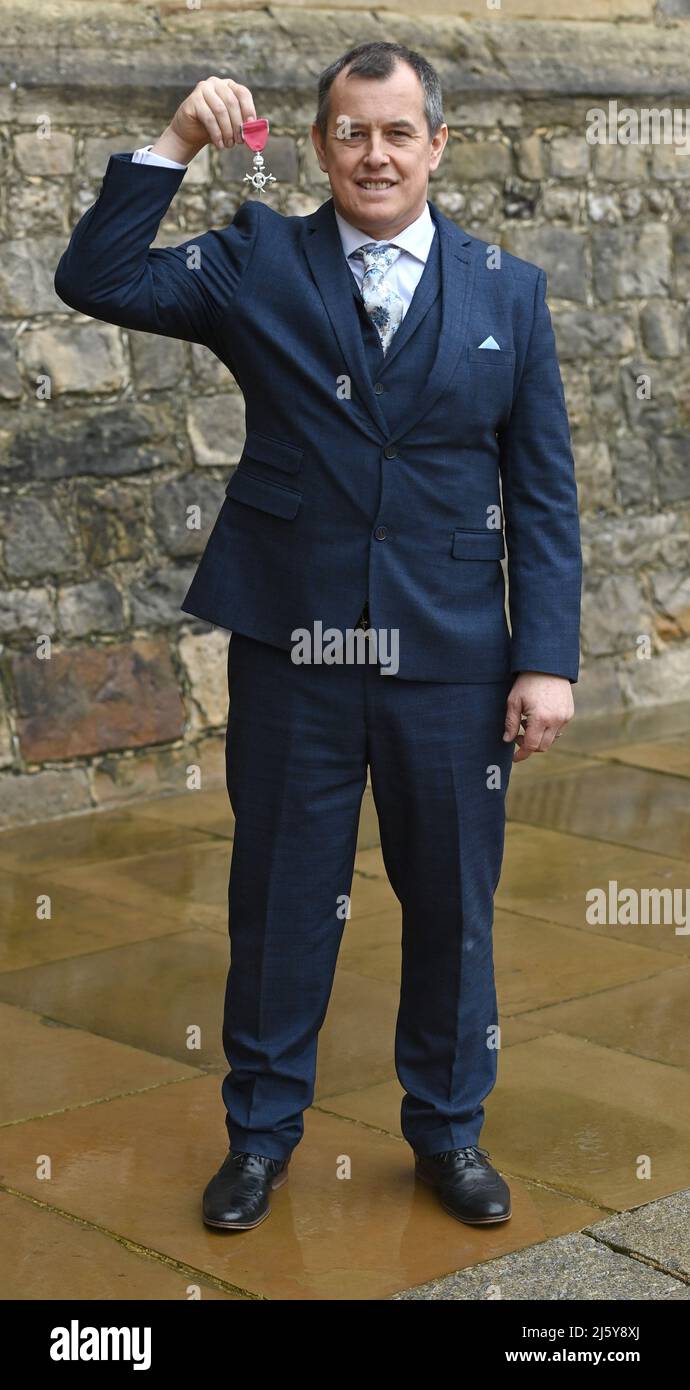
[{"x": 109, "y": 271}]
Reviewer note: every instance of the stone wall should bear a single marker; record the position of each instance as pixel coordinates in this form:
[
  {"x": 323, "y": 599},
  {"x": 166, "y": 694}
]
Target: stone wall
[{"x": 99, "y": 428}]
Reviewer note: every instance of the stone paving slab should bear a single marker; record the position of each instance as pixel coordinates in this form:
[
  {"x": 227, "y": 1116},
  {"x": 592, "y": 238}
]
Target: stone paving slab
[
  {"x": 658, "y": 1231},
  {"x": 574, "y": 1267}
]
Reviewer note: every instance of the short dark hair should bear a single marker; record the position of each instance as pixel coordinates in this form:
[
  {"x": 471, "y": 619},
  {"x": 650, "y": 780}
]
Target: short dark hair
[{"x": 378, "y": 60}]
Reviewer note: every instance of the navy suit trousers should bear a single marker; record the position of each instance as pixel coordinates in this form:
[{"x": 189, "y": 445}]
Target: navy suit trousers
[{"x": 299, "y": 740}]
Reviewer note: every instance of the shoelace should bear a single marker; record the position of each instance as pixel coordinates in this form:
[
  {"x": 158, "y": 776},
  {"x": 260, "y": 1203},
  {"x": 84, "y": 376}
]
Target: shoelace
[
  {"x": 242, "y": 1158},
  {"x": 469, "y": 1154}
]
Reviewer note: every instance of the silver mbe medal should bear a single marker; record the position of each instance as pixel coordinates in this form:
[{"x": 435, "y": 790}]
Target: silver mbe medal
[{"x": 255, "y": 134}]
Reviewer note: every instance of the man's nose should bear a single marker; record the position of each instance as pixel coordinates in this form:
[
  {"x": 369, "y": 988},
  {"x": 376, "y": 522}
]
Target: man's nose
[{"x": 376, "y": 154}]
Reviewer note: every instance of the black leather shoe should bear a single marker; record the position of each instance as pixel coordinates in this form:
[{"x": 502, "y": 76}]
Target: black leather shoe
[
  {"x": 467, "y": 1185},
  {"x": 238, "y": 1195}
]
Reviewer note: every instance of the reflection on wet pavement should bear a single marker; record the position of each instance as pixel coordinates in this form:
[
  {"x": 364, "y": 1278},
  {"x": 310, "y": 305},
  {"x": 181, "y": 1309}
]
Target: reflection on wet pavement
[{"x": 111, "y": 1031}]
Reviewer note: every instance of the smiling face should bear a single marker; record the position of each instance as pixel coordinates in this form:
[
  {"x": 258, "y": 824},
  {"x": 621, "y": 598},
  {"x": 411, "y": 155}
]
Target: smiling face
[{"x": 378, "y": 153}]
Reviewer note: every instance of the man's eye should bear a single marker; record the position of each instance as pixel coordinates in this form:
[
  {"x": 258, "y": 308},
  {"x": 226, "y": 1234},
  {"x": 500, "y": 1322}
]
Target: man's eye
[{"x": 355, "y": 133}]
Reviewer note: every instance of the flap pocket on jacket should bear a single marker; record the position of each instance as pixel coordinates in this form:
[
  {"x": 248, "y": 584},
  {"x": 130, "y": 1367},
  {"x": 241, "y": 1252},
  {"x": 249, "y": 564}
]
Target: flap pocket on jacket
[
  {"x": 478, "y": 545},
  {"x": 275, "y": 451},
  {"x": 268, "y": 497},
  {"x": 492, "y": 357}
]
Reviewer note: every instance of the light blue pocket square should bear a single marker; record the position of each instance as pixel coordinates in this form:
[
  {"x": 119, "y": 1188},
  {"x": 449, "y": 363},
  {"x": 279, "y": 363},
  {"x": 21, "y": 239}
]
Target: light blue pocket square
[{"x": 490, "y": 343}]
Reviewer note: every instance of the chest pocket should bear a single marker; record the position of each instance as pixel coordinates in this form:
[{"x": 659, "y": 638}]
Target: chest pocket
[
  {"x": 491, "y": 357},
  {"x": 490, "y": 381}
]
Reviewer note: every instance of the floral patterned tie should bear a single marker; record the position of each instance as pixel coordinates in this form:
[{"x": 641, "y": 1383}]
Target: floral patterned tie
[{"x": 383, "y": 305}]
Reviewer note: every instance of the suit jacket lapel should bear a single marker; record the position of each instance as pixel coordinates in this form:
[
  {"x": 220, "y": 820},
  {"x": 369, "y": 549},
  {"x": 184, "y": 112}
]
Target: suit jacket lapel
[
  {"x": 334, "y": 279},
  {"x": 426, "y": 292},
  {"x": 457, "y": 281},
  {"x": 324, "y": 251}
]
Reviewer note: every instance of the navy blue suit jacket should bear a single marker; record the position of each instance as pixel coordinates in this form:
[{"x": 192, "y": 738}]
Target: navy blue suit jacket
[{"x": 336, "y": 498}]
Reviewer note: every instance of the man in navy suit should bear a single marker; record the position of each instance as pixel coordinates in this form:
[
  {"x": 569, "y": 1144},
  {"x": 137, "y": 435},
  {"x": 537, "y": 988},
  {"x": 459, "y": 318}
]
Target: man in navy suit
[{"x": 405, "y": 427}]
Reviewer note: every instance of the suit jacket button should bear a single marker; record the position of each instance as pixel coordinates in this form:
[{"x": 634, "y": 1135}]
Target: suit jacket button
[
  {"x": 378, "y": 387},
  {"x": 380, "y": 533},
  {"x": 390, "y": 451}
]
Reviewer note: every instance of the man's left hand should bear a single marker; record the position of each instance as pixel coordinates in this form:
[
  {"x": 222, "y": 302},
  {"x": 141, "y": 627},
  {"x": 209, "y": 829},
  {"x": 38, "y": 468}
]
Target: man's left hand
[{"x": 543, "y": 704}]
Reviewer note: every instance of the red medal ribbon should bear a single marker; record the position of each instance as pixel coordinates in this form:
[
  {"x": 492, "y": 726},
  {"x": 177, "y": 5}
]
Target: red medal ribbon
[{"x": 255, "y": 133}]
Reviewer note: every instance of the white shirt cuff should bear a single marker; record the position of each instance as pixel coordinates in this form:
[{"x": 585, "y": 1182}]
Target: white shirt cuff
[{"x": 143, "y": 156}]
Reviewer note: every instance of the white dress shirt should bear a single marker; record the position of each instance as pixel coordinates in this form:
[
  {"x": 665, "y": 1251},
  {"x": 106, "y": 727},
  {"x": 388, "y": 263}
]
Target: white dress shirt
[
  {"x": 415, "y": 239},
  {"x": 405, "y": 273}
]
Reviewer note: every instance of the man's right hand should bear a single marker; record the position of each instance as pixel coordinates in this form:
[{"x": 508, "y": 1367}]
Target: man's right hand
[{"x": 211, "y": 114}]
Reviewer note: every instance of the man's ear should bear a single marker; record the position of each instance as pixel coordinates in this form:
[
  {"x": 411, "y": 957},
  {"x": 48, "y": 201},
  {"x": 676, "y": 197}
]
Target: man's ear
[
  {"x": 438, "y": 145},
  {"x": 318, "y": 148}
]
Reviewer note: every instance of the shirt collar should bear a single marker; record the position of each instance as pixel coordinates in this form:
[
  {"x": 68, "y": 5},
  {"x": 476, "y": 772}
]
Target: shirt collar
[{"x": 416, "y": 238}]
